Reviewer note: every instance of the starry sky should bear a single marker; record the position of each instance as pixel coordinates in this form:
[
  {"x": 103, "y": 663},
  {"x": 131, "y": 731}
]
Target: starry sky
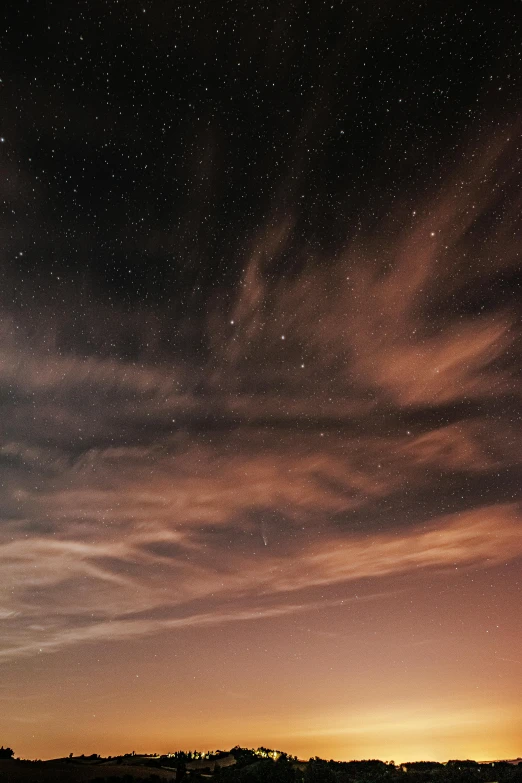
[{"x": 260, "y": 350}]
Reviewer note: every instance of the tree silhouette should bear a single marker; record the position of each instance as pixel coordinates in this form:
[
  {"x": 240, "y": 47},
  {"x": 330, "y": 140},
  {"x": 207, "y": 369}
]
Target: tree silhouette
[
  {"x": 318, "y": 771},
  {"x": 181, "y": 769}
]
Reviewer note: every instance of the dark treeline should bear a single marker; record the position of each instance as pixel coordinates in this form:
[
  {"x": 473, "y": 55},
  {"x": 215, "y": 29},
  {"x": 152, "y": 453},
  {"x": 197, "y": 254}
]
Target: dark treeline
[
  {"x": 268, "y": 766},
  {"x": 286, "y": 770}
]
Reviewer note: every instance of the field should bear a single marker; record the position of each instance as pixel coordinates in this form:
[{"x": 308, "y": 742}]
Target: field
[{"x": 64, "y": 772}]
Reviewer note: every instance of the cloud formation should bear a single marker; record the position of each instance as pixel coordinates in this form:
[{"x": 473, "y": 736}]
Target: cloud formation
[{"x": 341, "y": 424}]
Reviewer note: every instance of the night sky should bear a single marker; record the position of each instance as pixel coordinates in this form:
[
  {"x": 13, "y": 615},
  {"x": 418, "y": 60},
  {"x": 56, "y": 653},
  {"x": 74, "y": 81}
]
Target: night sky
[{"x": 260, "y": 353}]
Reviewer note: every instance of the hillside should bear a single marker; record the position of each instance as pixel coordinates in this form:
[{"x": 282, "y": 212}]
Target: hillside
[
  {"x": 58, "y": 771},
  {"x": 244, "y": 765}
]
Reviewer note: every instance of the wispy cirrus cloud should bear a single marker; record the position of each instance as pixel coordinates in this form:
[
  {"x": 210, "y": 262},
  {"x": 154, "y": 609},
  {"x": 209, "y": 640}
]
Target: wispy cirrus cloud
[
  {"x": 114, "y": 597},
  {"x": 344, "y": 397}
]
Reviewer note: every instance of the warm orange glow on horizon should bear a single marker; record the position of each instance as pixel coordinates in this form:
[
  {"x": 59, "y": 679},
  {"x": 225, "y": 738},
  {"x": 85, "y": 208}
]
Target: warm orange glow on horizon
[{"x": 260, "y": 380}]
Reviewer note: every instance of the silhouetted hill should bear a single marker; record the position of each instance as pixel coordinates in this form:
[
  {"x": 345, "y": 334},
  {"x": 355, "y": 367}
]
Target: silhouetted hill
[{"x": 247, "y": 765}]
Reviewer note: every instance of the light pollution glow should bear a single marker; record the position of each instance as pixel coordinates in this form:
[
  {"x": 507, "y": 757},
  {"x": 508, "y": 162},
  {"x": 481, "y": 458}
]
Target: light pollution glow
[{"x": 331, "y": 567}]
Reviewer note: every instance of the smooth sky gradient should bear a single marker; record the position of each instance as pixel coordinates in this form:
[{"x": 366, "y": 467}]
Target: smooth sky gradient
[{"x": 260, "y": 381}]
